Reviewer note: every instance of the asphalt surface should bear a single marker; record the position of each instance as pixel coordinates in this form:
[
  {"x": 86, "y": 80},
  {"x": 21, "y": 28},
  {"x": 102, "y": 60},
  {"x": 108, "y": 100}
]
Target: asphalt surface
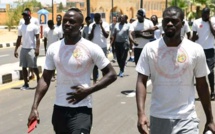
[{"x": 114, "y": 112}]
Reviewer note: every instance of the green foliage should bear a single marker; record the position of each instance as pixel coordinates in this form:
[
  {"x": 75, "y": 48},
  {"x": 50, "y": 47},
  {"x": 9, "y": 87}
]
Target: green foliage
[
  {"x": 14, "y": 15},
  {"x": 60, "y": 7}
]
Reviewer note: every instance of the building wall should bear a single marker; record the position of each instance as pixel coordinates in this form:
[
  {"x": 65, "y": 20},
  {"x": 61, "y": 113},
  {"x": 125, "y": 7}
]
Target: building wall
[{"x": 127, "y": 7}]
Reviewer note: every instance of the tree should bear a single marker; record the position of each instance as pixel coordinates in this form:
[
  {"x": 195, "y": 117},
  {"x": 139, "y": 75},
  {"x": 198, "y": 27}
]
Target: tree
[{"x": 60, "y": 7}]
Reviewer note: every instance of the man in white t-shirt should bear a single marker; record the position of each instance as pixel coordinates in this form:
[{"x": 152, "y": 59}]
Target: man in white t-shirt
[
  {"x": 74, "y": 58},
  {"x": 98, "y": 34},
  {"x": 59, "y": 23},
  {"x": 35, "y": 21},
  {"x": 85, "y": 31},
  {"x": 137, "y": 36},
  {"x": 51, "y": 35},
  {"x": 172, "y": 62},
  {"x": 30, "y": 49},
  {"x": 204, "y": 33},
  {"x": 185, "y": 30}
]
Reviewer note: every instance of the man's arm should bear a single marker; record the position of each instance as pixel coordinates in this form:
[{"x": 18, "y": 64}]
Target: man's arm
[
  {"x": 141, "y": 99},
  {"x": 211, "y": 28},
  {"x": 45, "y": 44},
  {"x": 37, "y": 49},
  {"x": 188, "y": 35},
  {"x": 146, "y": 35},
  {"x": 105, "y": 33},
  {"x": 109, "y": 76},
  {"x": 91, "y": 35},
  {"x": 195, "y": 36},
  {"x": 152, "y": 29},
  {"x": 203, "y": 92},
  {"x": 18, "y": 43},
  {"x": 41, "y": 90}
]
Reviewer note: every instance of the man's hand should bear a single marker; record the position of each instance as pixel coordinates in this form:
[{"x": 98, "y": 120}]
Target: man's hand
[
  {"x": 37, "y": 52},
  {"x": 143, "y": 124},
  {"x": 16, "y": 54},
  {"x": 34, "y": 115},
  {"x": 100, "y": 22},
  {"x": 94, "y": 26},
  {"x": 210, "y": 126},
  {"x": 78, "y": 95}
]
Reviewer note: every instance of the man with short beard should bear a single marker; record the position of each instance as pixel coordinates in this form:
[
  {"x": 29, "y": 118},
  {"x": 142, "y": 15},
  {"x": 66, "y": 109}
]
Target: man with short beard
[
  {"x": 204, "y": 33},
  {"x": 74, "y": 58},
  {"x": 172, "y": 62}
]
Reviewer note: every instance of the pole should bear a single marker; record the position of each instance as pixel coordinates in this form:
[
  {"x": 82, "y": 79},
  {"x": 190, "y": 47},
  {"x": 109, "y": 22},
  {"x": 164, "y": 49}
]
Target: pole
[
  {"x": 52, "y": 11},
  {"x": 88, "y": 7},
  {"x": 141, "y": 3},
  {"x": 166, "y": 3},
  {"x": 112, "y": 11}
]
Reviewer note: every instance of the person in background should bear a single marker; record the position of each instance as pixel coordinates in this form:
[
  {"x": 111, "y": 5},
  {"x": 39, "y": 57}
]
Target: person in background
[
  {"x": 59, "y": 24},
  {"x": 98, "y": 34},
  {"x": 157, "y": 32},
  {"x": 85, "y": 31},
  {"x": 74, "y": 58},
  {"x": 36, "y": 22},
  {"x": 30, "y": 49},
  {"x": 131, "y": 47},
  {"x": 51, "y": 35},
  {"x": 137, "y": 36},
  {"x": 172, "y": 62},
  {"x": 121, "y": 41},
  {"x": 204, "y": 33},
  {"x": 185, "y": 30},
  {"x": 112, "y": 26}
]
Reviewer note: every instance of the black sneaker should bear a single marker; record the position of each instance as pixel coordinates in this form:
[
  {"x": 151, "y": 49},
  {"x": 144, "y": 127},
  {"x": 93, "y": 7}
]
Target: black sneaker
[{"x": 25, "y": 87}]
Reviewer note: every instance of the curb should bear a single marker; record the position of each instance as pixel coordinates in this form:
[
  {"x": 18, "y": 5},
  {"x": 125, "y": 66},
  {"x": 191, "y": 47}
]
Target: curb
[
  {"x": 11, "y": 44},
  {"x": 16, "y": 75}
]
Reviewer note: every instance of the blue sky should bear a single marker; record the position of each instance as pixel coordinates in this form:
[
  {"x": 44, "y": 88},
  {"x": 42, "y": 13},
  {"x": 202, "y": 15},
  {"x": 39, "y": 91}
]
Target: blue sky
[{"x": 42, "y": 1}]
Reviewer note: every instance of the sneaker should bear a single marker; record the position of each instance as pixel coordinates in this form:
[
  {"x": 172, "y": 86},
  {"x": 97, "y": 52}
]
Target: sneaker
[
  {"x": 130, "y": 59},
  {"x": 25, "y": 87},
  {"x": 121, "y": 75},
  {"x": 113, "y": 60},
  {"x": 212, "y": 96}
]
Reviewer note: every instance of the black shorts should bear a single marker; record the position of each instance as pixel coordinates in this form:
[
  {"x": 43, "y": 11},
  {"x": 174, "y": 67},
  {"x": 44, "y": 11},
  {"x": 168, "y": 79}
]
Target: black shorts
[
  {"x": 209, "y": 53},
  {"x": 66, "y": 120}
]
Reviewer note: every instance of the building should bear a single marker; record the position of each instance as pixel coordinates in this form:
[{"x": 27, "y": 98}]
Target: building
[{"x": 109, "y": 8}]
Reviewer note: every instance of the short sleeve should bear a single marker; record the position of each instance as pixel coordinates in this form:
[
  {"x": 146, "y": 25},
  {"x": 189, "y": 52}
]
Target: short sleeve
[
  {"x": 201, "y": 68},
  {"x": 143, "y": 63},
  {"x": 194, "y": 26},
  {"x": 36, "y": 30},
  {"x": 46, "y": 33},
  {"x": 49, "y": 60},
  {"x": 90, "y": 28},
  {"x": 187, "y": 28},
  {"x": 99, "y": 58},
  {"x": 19, "y": 30},
  {"x": 131, "y": 28},
  {"x": 106, "y": 27}
]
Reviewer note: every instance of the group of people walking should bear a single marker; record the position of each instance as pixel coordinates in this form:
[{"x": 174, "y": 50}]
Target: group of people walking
[{"x": 164, "y": 52}]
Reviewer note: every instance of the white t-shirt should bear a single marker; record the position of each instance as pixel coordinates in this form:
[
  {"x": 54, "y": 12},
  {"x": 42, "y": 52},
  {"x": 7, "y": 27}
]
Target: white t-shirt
[
  {"x": 74, "y": 64},
  {"x": 98, "y": 35},
  {"x": 52, "y": 35},
  {"x": 85, "y": 32},
  {"x": 206, "y": 39},
  {"x": 32, "y": 20},
  {"x": 137, "y": 26},
  {"x": 60, "y": 29},
  {"x": 185, "y": 29},
  {"x": 172, "y": 71},
  {"x": 28, "y": 33}
]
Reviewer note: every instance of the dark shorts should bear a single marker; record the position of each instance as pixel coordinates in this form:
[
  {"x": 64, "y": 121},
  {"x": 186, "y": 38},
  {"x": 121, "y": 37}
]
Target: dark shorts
[
  {"x": 137, "y": 53},
  {"x": 209, "y": 53},
  {"x": 66, "y": 120}
]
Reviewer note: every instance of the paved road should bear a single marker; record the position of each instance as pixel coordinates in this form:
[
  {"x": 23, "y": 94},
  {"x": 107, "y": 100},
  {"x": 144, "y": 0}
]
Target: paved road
[
  {"x": 6, "y": 54},
  {"x": 114, "y": 112}
]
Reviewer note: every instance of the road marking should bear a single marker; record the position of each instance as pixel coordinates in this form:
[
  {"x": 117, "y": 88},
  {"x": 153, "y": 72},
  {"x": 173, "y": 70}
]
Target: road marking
[
  {"x": 4, "y": 55},
  {"x": 10, "y": 85}
]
